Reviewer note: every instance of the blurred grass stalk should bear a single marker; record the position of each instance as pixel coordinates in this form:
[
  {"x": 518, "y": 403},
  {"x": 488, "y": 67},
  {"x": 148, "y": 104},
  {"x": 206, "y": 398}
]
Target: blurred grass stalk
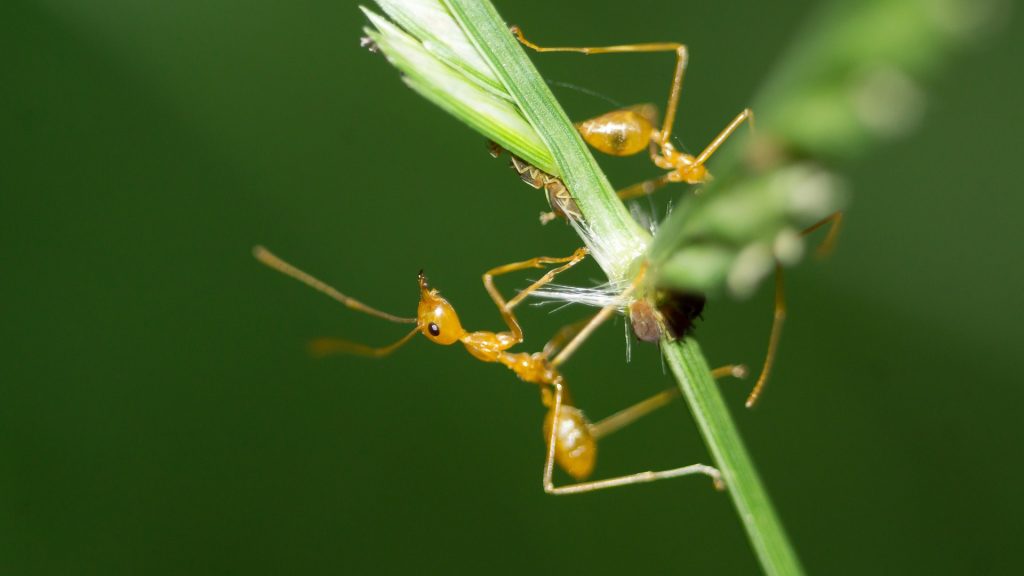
[{"x": 852, "y": 80}]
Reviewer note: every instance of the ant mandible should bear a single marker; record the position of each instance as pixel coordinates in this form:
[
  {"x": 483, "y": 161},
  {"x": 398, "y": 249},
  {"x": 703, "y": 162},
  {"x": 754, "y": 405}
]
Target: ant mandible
[
  {"x": 629, "y": 131},
  {"x": 571, "y": 438}
]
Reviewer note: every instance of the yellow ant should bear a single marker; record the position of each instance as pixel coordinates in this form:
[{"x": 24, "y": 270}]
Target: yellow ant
[
  {"x": 629, "y": 131},
  {"x": 571, "y": 438}
]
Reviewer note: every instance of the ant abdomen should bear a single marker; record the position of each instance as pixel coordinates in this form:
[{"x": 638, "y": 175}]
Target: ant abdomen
[
  {"x": 575, "y": 446},
  {"x": 619, "y": 133}
]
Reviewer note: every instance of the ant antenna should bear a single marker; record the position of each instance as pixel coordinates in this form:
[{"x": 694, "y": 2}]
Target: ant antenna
[
  {"x": 269, "y": 259},
  {"x": 325, "y": 346}
]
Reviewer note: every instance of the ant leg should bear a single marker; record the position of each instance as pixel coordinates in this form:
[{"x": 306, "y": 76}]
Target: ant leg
[
  {"x": 835, "y": 222},
  {"x": 596, "y": 321},
  {"x": 644, "y": 188},
  {"x": 627, "y": 416},
  {"x": 778, "y": 319},
  {"x": 682, "y": 56},
  {"x": 505, "y": 308},
  {"x": 565, "y": 334},
  {"x": 747, "y": 114},
  {"x": 779, "y": 316},
  {"x": 641, "y": 477},
  {"x": 571, "y": 261},
  {"x": 587, "y": 330}
]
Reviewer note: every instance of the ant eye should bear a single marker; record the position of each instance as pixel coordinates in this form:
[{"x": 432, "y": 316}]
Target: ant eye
[{"x": 433, "y": 329}]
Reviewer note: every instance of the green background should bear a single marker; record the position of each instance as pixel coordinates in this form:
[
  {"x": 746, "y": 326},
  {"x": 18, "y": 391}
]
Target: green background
[{"x": 158, "y": 414}]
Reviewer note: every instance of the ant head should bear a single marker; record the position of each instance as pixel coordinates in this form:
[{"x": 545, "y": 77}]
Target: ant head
[
  {"x": 696, "y": 174},
  {"x": 685, "y": 168},
  {"x": 435, "y": 317}
]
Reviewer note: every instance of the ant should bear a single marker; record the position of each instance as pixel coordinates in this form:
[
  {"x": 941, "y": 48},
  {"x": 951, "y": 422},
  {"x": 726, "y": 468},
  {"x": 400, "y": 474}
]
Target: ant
[
  {"x": 571, "y": 438},
  {"x": 673, "y": 313},
  {"x": 630, "y": 130}
]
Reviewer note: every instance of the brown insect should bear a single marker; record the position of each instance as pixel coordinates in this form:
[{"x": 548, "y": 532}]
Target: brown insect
[{"x": 561, "y": 201}]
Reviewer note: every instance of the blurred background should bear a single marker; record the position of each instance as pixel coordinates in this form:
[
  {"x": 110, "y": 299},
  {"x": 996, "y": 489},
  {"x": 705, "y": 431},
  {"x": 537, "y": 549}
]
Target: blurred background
[{"x": 159, "y": 414}]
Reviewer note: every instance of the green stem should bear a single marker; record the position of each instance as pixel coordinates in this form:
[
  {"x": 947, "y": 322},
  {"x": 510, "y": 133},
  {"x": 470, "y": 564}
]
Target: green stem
[
  {"x": 615, "y": 239},
  {"x": 709, "y": 411},
  {"x": 611, "y": 225}
]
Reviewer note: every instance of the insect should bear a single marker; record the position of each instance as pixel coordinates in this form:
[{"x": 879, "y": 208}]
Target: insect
[
  {"x": 561, "y": 201},
  {"x": 628, "y": 131},
  {"x": 631, "y": 130},
  {"x": 625, "y": 132},
  {"x": 570, "y": 437}
]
